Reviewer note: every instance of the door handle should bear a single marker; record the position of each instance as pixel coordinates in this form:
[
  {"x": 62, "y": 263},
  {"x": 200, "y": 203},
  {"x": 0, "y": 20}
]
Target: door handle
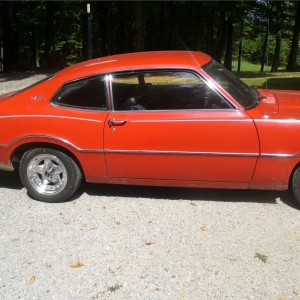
[{"x": 112, "y": 122}]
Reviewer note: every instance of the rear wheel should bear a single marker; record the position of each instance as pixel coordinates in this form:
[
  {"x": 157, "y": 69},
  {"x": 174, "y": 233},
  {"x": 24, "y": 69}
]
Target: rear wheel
[
  {"x": 49, "y": 175},
  {"x": 296, "y": 184}
]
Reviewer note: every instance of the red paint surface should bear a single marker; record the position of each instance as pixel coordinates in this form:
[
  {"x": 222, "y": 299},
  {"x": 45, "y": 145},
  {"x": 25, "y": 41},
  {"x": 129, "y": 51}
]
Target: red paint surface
[{"x": 208, "y": 148}]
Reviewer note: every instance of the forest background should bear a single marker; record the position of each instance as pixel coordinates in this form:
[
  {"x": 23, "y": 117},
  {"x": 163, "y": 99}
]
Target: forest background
[{"x": 54, "y": 34}]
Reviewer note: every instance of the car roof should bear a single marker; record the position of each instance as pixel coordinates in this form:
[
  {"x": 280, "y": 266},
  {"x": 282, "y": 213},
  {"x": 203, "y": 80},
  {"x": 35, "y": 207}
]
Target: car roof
[{"x": 137, "y": 60}]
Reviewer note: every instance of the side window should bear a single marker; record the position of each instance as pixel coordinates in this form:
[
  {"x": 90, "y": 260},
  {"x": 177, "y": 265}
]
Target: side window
[
  {"x": 84, "y": 94},
  {"x": 163, "y": 90}
]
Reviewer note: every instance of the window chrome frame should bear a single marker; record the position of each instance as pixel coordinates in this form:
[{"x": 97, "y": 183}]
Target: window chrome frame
[
  {"x": 232, "y": 106},
  {"x": 74, "y": 81}
]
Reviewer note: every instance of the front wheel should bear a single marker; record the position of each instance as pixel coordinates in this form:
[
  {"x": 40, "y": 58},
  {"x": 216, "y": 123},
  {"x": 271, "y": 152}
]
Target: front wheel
[{"x": 49, "y": 175}]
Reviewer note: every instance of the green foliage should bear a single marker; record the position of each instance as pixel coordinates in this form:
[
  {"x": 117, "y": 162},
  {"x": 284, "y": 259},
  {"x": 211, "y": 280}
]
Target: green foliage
[
  {"x": 252, "y": 49},
  {"x": 190, "y": 25}
]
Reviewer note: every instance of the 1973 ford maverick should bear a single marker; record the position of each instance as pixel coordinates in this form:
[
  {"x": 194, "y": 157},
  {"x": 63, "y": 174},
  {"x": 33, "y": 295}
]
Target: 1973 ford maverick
[{"x": 171, "y": 118}]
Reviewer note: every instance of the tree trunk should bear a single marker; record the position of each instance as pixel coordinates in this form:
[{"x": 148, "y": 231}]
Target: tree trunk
[
  {"x": 16, "y": 29},
  {"x": 211, "y": 38},
  {"x": 121, "y": 29},
  {"x": 49, "y": 35},
  {"x": 279, "y": 20},
  {"x": 103, "y": 24},
  {"x": 33, "y": 37},
  {"x": 208, "y": 28},
  {"x": 162, "y": 26},
  {"x": 228, "y": 54},
  {"x": 240, "y": 45},
  {"x": 266, "y": 41},
  {"x": 6, "y": 34},
  {"x": 221, "y": 39},
  {"x": 198, "y": 25},
  {"x": 294, "y": 47},
  {"x": 209, "y": 31},
  {"x": 172, "y": 25},
  {"x": 138, "y": 24},
  {"x": 265, "y": 46}
]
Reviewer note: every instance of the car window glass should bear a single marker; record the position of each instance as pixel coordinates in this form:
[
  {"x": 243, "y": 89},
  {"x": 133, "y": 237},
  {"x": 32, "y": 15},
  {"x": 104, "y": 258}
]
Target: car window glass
[
  {"x": 163, "y": 90},
  {"x": 238, "y": 89},
  {"x": 84, "y": 94}
]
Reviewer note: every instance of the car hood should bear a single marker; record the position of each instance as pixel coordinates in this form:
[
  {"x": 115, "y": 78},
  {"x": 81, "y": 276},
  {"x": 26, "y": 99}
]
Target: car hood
[{"x": 281, "y": 102}]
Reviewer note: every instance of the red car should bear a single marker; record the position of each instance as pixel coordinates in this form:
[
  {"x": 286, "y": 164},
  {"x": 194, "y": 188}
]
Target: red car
[{"x": 172, "y": 118}]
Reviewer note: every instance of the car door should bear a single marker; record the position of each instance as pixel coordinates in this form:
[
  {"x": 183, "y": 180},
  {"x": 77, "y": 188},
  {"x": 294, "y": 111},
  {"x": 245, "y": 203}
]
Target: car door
[{"x": 169, "y": 125}]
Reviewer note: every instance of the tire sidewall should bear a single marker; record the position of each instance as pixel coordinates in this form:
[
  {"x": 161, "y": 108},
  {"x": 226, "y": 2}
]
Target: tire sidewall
[{"x": 296, "y": 184}]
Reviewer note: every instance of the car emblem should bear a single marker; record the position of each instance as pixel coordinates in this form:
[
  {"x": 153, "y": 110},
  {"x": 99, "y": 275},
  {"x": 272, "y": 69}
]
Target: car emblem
[{"x": 37, "y": 98}]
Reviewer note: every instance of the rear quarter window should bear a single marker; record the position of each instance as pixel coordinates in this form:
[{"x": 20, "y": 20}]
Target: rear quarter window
[{"x": 83, "y": 94}]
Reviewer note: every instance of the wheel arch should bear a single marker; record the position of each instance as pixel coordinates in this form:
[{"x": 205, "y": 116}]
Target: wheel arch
[{"x": 19, "y": 151}]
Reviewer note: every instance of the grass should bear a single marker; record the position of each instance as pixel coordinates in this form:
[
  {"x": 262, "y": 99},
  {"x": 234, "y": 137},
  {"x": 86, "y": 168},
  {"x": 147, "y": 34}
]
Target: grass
[
  {"x": 247, "y": 66},
  {"x": 276, "y": 80}
]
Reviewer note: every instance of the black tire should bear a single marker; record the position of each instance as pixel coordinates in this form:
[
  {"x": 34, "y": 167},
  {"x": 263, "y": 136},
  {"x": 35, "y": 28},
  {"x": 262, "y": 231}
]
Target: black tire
[
  {"x": 49, "y": 175},
  {"x": 296, "y": 184}
]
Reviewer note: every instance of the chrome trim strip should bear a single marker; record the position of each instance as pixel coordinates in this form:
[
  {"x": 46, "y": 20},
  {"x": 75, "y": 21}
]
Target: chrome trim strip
[
  {"x": 180, "y": 152},
  {"x": 53, "y": 138},
  {"x": 280, "y": 155},
  {"x": 50, "y": 116},
  {"x": 177, "y": 110},
  {"x": 188, "y": 120},
  {"x": 108, "y": 79},
  {"x": 277, "y": 120}
]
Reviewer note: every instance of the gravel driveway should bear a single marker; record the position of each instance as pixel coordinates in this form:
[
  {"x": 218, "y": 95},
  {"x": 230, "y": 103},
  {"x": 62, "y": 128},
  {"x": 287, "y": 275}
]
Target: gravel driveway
[{"x": 127, "y": 242}]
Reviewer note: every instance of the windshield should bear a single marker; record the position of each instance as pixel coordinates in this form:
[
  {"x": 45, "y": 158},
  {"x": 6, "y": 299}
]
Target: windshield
[{"x": 239, "y": 90}]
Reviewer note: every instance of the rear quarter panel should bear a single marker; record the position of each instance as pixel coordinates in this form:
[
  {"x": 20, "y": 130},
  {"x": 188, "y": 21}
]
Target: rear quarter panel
[{"x": 25, "y": 120}]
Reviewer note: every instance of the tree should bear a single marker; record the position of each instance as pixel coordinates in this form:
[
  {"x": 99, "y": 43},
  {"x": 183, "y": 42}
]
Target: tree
[
  {"x": 222, "y": 32},
  {"x": 279, "y": 22},
  {"x": 138, "y": 23},
  {"x": 33, "y": 6},
  {"x": 54, "y": 30},
  {"x": 8, "y": 59},
  {"x": 49, "y": 34},
  {"x": 240, "y": 45},
  {"x": 228, "y": 54},
  {"x": 294, "y": 47}
]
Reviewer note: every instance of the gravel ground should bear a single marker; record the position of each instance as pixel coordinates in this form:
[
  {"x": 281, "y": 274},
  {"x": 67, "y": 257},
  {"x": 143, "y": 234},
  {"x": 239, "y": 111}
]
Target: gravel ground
[{"x": 126, "y": 242}]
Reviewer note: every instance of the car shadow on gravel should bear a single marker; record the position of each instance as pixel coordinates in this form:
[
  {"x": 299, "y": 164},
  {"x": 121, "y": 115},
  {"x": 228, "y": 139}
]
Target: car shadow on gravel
[
  {"x": 10, "y": 180},
  {"x": 192, "y": 194}
]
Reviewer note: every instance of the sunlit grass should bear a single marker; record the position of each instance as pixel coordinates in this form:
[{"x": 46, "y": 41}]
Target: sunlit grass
[
  {"x": 250, "y": 73},
  {"x": 276, "y": 80},
  {"x": 247, "y": 66}
]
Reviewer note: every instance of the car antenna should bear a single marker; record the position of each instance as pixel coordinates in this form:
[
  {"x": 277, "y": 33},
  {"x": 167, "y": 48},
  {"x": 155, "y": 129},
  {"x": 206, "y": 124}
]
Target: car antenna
[{"x": 265, "y": 115}]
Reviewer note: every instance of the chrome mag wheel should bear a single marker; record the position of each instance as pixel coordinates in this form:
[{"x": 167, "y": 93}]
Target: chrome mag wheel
[{"x": 47, "y": 174}]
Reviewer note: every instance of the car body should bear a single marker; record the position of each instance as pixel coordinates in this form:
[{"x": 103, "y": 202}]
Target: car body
[{"x": 171, "y": 118}]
